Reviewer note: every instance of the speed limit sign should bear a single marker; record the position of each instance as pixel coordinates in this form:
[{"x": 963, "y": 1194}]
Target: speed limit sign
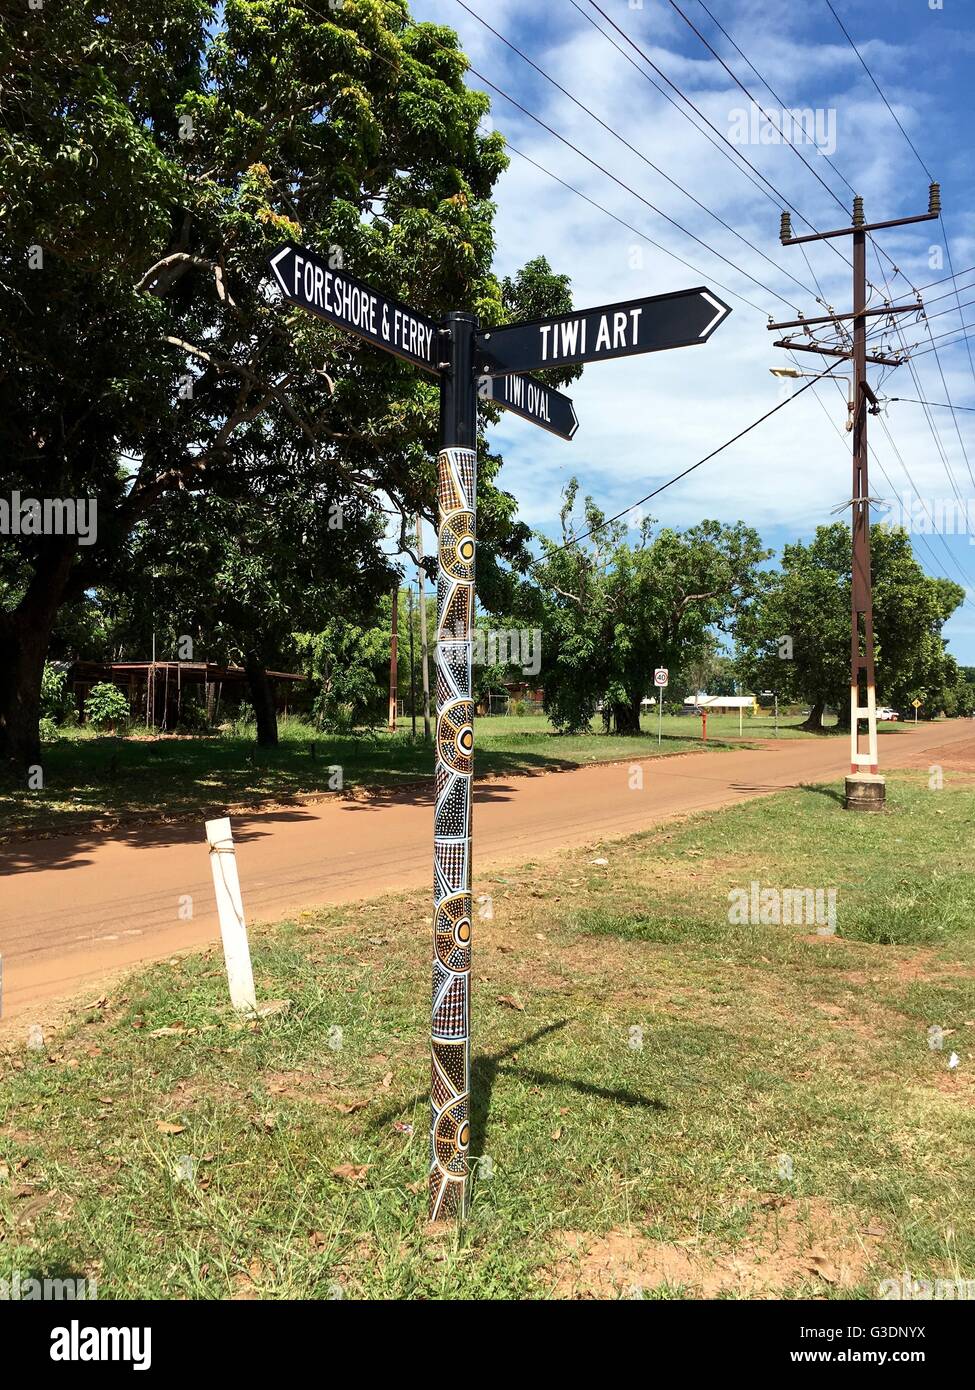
[{"x": 661, "y": 676}]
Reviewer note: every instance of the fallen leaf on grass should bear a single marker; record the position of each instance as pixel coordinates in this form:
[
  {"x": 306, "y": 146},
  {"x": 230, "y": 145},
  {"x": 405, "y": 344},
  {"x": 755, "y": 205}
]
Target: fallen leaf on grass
[
  {"x": 512, "y": 1001},
  {"x": 273, "y": 1006},
  {"x": 556, "y": 1136},
  {"x": 165, "y": 1127},
  {"x": 352, "y": 1172},
  {"x": 350, "y": 1107},
  {"x": 821, "y": 1265}
]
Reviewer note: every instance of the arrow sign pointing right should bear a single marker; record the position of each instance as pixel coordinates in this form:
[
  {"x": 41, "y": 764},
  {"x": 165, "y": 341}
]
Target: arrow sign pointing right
[
  {"x": 533, "y": 401},
  {"x": 656, "y": 324}
]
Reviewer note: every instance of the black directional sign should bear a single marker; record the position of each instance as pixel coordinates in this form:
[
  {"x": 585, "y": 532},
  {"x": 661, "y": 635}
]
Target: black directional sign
[
  {"x": 306, "y": 279},
  {"x": 532, "y": 400},
  {"x": 613, "y": 330}
]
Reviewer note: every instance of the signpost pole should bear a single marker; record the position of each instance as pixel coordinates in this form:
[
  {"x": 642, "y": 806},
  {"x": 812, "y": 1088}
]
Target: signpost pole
[
  {"x": 450, "y": 1032},
  {"x": 660, "y": 678},
  {"x": 455, "y": 352}
]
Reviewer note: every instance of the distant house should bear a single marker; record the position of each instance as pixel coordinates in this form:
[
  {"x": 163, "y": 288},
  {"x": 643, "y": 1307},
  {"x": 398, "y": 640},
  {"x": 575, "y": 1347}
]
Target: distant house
[{"x": 720, "y": 703}]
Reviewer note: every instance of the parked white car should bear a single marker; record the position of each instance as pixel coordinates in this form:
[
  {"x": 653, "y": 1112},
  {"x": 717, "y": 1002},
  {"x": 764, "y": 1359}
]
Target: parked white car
[{"x": 887, "y": 714}]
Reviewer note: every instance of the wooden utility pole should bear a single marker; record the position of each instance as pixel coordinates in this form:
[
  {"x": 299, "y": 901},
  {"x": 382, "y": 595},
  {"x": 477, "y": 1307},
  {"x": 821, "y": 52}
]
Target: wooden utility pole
[
  {"x": 865, "y": 789},
  {"x": 423, "y": 632},
  {"x": 393, "y": 660}
]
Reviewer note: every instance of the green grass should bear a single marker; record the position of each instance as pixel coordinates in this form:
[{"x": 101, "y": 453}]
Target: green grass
[
  {"x": 104, "y": 779},
  {"x": 758, "y": 1041},
  {"x": 108, "y": 779}
]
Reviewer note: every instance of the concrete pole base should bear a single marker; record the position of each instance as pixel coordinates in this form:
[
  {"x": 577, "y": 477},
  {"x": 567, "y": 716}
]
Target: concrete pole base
[{"x": 865, "y": 791}]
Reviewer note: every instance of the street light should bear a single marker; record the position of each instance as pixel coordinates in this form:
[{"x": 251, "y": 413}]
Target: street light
[{"x": 794, "y": 374}]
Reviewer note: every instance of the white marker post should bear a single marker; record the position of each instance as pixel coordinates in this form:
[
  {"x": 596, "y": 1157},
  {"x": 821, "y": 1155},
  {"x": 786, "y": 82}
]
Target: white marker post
[
  {"x": 230, "y": 909},
  {"x": 660, "y": 678}
]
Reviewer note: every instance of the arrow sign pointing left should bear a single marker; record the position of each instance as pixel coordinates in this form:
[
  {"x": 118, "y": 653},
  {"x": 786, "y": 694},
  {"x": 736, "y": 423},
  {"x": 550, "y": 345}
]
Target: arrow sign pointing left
[
  {"x": 533, "y": 401},
  {"x": 307, "y": 280},
  {"x": 656, "y": 324}
]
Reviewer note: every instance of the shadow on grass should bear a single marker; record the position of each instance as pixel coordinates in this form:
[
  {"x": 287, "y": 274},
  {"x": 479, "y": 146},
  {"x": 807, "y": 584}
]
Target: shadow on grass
[
  {"x": 485, "y": 1070},
  {"x": 820, "y": 790}
]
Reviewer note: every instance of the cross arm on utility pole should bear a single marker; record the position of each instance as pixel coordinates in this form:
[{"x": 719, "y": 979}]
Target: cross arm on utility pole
[
  {"x": 836, "y": 318},
  {"x": 836, "y": 352},
  {"x": 934, "y": 211}
]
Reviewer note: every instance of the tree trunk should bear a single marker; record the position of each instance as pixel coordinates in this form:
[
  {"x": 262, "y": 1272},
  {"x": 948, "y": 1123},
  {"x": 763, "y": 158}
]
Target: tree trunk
[
  {"x": 262, "y": 698},
  {"x": 23, "y": 649},
  {"x": 814, "y": 722},
  {"x": 25, "y": 634},
  {"x": 626, "y": 717}
]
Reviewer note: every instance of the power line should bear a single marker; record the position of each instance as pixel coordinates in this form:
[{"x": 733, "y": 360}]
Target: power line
[
  {"x": 947, "y": 295},
  {"x": 943, "y": 405},
  {"x": 707, "y": 457},
  {"x": 629, "y": 226},
  {"x": 707, "y": 135},
  {"x": 795, "y": 149},
  {"x": 923, "y": 352},
  {"x": 876, "y": 458},
  {"x": 765, "y": 82},
  {"x": 930, "y": 419},
  {"x": 640, "y": 155},
  {"x": 879, "y": 91},
  {"x": 944, "y": 232},
  {"x": 626, "y": 187},
  {"x": 782, "y": 201},
  {"x": 932, "y": 283},
  {"x": 917, "y": 493},
  {"x": 835, "y": 167}
]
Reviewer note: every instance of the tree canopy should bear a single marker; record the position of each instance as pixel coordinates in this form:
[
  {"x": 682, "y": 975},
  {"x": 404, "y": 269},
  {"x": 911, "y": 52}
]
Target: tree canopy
[
  {"x": 151, "y": 162},
  {"x": 796, "y": 638}
]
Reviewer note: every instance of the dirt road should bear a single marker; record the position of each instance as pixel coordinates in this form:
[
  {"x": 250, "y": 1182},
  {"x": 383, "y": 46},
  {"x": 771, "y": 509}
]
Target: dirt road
[{"x": 73, "y": 910}]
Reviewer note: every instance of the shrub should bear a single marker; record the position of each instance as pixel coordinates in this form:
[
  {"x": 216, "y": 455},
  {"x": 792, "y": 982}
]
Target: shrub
[
  {"x": 55, "y": 700},
  {"x": 193, "y": 717},
  {"x": 106, "y": 706}
]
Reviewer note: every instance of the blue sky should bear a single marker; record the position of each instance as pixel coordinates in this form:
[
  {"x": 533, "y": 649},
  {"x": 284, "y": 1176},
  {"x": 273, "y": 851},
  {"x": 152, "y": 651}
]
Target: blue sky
[{"x": 643, "y": 419}]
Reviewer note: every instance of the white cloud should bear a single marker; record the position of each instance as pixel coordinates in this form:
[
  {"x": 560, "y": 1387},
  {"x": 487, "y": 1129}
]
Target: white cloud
[{"x": 644, "y": 419}]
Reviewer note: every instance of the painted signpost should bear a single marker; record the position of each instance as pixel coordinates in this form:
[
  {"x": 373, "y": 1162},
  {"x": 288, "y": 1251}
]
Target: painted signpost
[
  {"x": 614, "y": 330},
  {"x": 467, "y": 361},
  {"x": 532, "y": 400}
]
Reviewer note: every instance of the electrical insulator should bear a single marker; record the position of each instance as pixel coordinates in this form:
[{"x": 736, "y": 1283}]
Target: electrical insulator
[
  {"x": 858, "y": 218},
  {"x": 934, "y": 198},
  {"x": 785, "y": 228}
]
